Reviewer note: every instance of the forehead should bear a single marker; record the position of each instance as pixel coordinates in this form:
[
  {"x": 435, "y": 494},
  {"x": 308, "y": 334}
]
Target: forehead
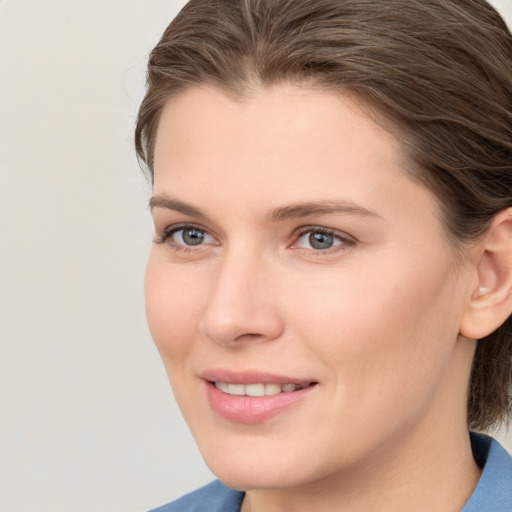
[{"x": 273, "y": 127}]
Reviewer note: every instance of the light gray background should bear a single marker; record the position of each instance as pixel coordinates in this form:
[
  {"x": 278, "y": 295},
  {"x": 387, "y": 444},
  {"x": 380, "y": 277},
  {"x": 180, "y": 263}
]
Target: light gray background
[{"x": 87, "y": 420}]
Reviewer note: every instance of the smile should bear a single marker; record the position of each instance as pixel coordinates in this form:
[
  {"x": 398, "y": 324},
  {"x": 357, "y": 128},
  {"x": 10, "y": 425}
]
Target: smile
[
  {"x": 255, "y": 402},
  {"x": 259, "y": 389}
]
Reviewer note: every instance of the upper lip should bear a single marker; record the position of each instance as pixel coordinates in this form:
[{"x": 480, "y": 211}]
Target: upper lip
[{"x": 250, "y": 377}]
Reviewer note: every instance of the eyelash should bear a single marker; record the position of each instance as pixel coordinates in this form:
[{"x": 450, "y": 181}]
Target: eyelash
[
  {"x": 346, "y": 241},
  {"x": 170, "y": 231}
]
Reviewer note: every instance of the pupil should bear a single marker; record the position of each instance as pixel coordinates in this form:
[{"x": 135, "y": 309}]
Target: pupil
[
  {"x": 321, "y": 240},
  {"x": 193, "y": 236}
]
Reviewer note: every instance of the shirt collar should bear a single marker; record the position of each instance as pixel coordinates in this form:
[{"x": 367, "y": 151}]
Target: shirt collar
[{"x": 494, "y": 489}]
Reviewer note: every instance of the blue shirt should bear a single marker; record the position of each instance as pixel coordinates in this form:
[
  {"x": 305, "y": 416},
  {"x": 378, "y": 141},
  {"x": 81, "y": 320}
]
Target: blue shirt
[{"x": 492, "y": 494}]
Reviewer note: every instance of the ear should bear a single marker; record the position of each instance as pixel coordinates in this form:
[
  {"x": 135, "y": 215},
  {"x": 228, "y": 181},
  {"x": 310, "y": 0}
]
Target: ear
[{"x": 490, "y": 303}]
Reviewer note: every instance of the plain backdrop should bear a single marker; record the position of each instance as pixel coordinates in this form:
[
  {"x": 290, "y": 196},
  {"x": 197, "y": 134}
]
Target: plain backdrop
[{"x": 87, "y": 419}]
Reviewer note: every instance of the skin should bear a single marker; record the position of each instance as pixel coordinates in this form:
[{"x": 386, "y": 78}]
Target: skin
[{"x": 375, "y": 320}]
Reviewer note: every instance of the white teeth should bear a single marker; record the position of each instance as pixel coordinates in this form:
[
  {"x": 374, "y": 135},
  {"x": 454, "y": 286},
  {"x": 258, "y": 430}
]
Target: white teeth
[
  {"x": 222, "y": 386},
  {"x": 236, "y": 389},
  {"x": 272, "y": 389},
  {"x": 259, "y": 389},
  {"x": 255, "y": 389}
]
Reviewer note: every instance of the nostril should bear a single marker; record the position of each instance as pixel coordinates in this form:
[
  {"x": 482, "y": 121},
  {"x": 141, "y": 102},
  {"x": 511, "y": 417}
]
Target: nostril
[{"x": 248, "y": 336}]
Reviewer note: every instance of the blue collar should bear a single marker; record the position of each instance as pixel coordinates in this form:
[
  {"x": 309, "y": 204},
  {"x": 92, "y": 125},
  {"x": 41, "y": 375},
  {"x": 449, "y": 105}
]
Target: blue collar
[{"x": 494, "y": 490}]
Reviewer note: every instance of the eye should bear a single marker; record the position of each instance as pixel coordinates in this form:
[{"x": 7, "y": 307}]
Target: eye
[
  {"x": 184, "y": 237},
  {"x": 190, "y": 236},
  {"x": 321, "y": 239}
]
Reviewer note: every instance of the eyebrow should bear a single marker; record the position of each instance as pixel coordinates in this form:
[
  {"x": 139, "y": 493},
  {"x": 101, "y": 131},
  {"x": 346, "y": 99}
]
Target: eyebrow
[
  {"x": 163, "y": 201},
  {"x": 311, "y": 209},
  {"x": 293, "y": 211}
]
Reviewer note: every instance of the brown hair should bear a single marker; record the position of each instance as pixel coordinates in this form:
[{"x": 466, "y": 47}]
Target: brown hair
[{"x": 439, "y": 72}]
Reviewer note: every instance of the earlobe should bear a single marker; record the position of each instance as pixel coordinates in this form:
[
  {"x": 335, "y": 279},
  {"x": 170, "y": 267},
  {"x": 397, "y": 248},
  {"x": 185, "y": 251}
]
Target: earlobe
[{"x": 490, "y": 303}]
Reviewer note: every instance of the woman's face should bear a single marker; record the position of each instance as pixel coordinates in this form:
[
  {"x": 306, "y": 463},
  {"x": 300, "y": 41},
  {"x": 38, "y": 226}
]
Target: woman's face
[{"x": 293, "y": 257}]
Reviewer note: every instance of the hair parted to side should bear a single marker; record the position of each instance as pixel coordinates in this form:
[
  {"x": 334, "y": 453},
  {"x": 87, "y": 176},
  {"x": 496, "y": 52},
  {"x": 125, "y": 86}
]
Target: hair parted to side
[{"x": 438, "y": 72}]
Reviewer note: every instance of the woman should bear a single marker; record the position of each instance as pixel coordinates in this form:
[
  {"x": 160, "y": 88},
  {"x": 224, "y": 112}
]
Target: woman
[{"x": 330, "y": 286}]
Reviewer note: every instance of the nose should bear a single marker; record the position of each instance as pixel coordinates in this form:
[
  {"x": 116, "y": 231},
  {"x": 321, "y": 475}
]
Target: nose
[{"x": 242, "y": 305}]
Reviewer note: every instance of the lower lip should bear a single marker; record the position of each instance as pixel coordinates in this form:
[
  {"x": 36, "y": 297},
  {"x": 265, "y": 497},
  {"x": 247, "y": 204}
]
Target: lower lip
[{"x": 250, "y": 409}]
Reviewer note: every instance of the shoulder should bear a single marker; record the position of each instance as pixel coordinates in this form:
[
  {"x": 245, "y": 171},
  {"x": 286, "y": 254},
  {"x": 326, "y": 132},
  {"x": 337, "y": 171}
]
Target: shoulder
[
  {"x": 494, "y": 490},
  {"x": 214, "y": 497}
]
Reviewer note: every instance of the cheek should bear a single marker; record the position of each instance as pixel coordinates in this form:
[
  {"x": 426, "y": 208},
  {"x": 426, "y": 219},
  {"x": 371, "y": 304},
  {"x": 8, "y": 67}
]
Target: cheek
[
  {"x": 387, "y": 326},
  {"x": 173, "y": 306}
]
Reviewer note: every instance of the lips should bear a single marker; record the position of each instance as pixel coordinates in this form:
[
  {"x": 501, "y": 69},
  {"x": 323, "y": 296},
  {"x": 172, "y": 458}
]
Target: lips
[{"x": 253, "y": 397}]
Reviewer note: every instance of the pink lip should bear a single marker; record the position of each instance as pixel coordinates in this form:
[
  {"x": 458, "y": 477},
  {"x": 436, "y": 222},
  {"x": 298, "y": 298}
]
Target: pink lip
[
  {"x": 249, "y": 377},
  {"x": 246, "y": 409}
]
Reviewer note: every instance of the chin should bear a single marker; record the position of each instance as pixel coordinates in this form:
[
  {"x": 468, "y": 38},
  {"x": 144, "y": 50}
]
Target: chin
[
  {"x": 261, "y": 478},
  {"x": 261, "y": 469}
]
